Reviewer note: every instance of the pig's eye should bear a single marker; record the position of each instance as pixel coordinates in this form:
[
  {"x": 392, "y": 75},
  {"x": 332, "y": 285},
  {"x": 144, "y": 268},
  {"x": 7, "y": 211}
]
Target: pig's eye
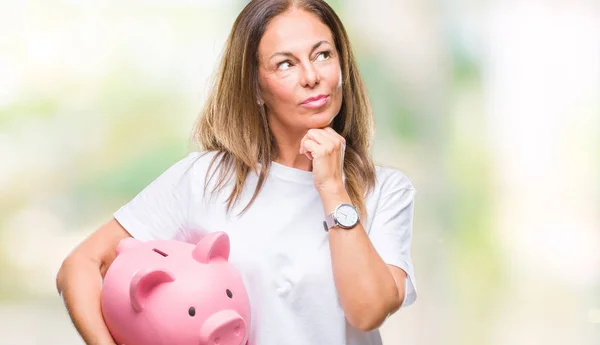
[
  {"x": 192, "y": 311},
  {"x": 229, "y": 293}
]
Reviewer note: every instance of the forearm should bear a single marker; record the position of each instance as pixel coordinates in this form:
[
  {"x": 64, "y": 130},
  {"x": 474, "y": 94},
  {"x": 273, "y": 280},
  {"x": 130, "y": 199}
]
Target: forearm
[
  {"x": 365, "y": 285},
  {"x": 79, "y": 283}
]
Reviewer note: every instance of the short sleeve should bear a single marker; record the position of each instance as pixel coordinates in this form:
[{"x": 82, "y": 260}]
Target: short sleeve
[
  {"x": 160, "y": 211},
  {"x": 391, "y": 229}
]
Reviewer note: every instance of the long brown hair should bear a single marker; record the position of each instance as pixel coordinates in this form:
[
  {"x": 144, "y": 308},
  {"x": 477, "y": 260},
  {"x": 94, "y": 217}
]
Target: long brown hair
[{"x": 237, "y": 128}]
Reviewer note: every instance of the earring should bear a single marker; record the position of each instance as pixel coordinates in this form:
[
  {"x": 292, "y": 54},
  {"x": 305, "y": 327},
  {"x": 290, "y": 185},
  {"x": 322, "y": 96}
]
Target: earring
[{"x": 259, "y": 102}]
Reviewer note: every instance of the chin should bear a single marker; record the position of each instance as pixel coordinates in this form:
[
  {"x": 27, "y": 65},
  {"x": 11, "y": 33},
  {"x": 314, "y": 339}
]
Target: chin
[{"x": 321, "y": 120}]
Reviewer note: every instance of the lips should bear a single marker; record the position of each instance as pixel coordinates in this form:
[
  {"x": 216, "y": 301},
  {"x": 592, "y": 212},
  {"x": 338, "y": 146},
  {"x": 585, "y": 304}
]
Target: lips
[
  {"x": 315, "y": 102},
  {"x": 313, "y": 99}
]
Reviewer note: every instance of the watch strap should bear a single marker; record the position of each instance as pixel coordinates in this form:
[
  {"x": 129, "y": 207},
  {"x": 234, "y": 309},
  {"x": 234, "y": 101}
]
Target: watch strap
[{"x": 329, "y": 222}]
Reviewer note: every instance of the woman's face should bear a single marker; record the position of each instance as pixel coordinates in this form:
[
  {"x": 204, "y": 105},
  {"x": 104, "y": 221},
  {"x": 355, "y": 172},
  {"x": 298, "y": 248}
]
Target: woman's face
[{"x": 299, "y": 72}]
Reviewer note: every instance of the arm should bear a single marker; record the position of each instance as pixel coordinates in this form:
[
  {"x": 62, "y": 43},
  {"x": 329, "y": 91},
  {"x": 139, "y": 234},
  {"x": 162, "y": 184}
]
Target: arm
[
  {"x": 79, "y": 282},
  {"x": 366, "y": 285},
  {"x": 369, "y": 289},
  {"x": 157, "y": 212}
]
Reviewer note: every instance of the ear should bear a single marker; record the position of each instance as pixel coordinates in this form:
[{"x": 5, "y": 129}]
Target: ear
[
  {"x": 127, "y": 243},
  {"x": 213, "y": 246},
  {"x": 259, "y": 99},
  {"x": 143, "y": 282}
]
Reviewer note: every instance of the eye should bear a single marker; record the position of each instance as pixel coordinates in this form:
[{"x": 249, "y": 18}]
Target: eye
[
  {"x": 323, "y": 56},
  {"x": 192, "y": 311},
  {"x": 229, "y": 293},
  {"x": 284, "y": 65}
]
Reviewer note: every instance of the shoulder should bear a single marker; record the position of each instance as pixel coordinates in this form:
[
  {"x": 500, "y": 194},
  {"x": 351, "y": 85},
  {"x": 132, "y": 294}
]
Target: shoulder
[
  {"x": 196, "y": 161},
  {"x": 388, "y": 179},
  {"x": 190, "y": 168}
]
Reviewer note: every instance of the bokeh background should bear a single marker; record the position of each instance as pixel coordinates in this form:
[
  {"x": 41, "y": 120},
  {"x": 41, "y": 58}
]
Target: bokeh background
[{"x": 492, "y": 108}]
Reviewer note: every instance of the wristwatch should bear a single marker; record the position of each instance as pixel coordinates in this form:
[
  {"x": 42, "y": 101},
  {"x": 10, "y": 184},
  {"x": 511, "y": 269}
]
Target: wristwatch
[{"x": 345, "y": 216}]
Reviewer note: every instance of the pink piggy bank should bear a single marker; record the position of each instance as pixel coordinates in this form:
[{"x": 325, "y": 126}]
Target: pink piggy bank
[{"x": 175, "y": 293}]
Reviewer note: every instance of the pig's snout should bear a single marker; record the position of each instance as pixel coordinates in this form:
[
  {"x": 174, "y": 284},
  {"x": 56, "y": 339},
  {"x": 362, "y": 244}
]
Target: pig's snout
[{"x": 225, "y": 327}]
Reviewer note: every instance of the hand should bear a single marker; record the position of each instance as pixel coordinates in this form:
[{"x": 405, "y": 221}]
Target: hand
[{"x": 325, "y": 147}]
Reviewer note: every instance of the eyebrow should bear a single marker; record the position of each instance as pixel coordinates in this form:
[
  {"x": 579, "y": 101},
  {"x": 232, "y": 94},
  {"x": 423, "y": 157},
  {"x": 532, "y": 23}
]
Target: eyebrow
[{"x": 288, "y": 54}]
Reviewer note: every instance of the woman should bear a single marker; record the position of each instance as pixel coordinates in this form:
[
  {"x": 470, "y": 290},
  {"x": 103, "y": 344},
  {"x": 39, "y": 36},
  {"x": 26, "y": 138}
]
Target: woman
[{"x": 321, "y": 236}]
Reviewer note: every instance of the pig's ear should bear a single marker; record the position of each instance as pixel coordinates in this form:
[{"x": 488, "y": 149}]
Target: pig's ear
[
  {"x": 127, "y": 243},
  {"x": 213, "y": 246},
  {"x": 143, "y": 282}
]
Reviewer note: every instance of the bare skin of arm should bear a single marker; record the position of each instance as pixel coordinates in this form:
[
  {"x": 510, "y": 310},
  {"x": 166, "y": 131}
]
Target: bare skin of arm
[
  {"x": 379, "y": 292},
  {"x": 79, "y": 281}
]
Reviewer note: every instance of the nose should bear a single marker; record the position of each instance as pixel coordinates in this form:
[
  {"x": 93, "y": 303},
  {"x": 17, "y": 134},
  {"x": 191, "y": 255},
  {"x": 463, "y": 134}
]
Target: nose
[
  {"x": 225, "y": 327},
  {"x": 310, "y": 76}
]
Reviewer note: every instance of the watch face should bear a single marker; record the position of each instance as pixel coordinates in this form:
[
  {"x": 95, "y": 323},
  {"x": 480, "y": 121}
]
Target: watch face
[{"x": 346, "y": 216}]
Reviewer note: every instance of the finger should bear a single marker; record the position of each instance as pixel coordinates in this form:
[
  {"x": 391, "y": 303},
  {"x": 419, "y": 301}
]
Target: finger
[
  {"x": 337, "y": 139},
  {"x": 305, "y": 138},
  {"x": 307, "y": 150},
  {"x": 340, "y": 140},
  {"x": 329, "y": 141},
  {"x": 331, "y": 131},
  {"x": 313, "y": 136},
  {"x": 335, "y": 134},
  {"x": 313, "y": 148},
  {"x": 331, "y": 135},
  {"x": 318, "y": 135}
]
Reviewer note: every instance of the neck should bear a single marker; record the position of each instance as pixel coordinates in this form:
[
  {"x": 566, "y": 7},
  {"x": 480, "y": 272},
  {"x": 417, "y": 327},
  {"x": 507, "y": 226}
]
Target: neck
[
  {"x": 288, "y": 145},
  {"x": 290, "y": 157}
]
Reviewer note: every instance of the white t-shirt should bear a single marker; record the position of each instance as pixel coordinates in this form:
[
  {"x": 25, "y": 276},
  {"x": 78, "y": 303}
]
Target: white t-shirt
[{"x": 279, "y": 244}]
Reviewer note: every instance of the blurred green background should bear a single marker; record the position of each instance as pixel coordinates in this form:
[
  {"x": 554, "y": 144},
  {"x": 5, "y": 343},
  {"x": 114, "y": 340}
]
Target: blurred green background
[{"x": 492, "y": 108}]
